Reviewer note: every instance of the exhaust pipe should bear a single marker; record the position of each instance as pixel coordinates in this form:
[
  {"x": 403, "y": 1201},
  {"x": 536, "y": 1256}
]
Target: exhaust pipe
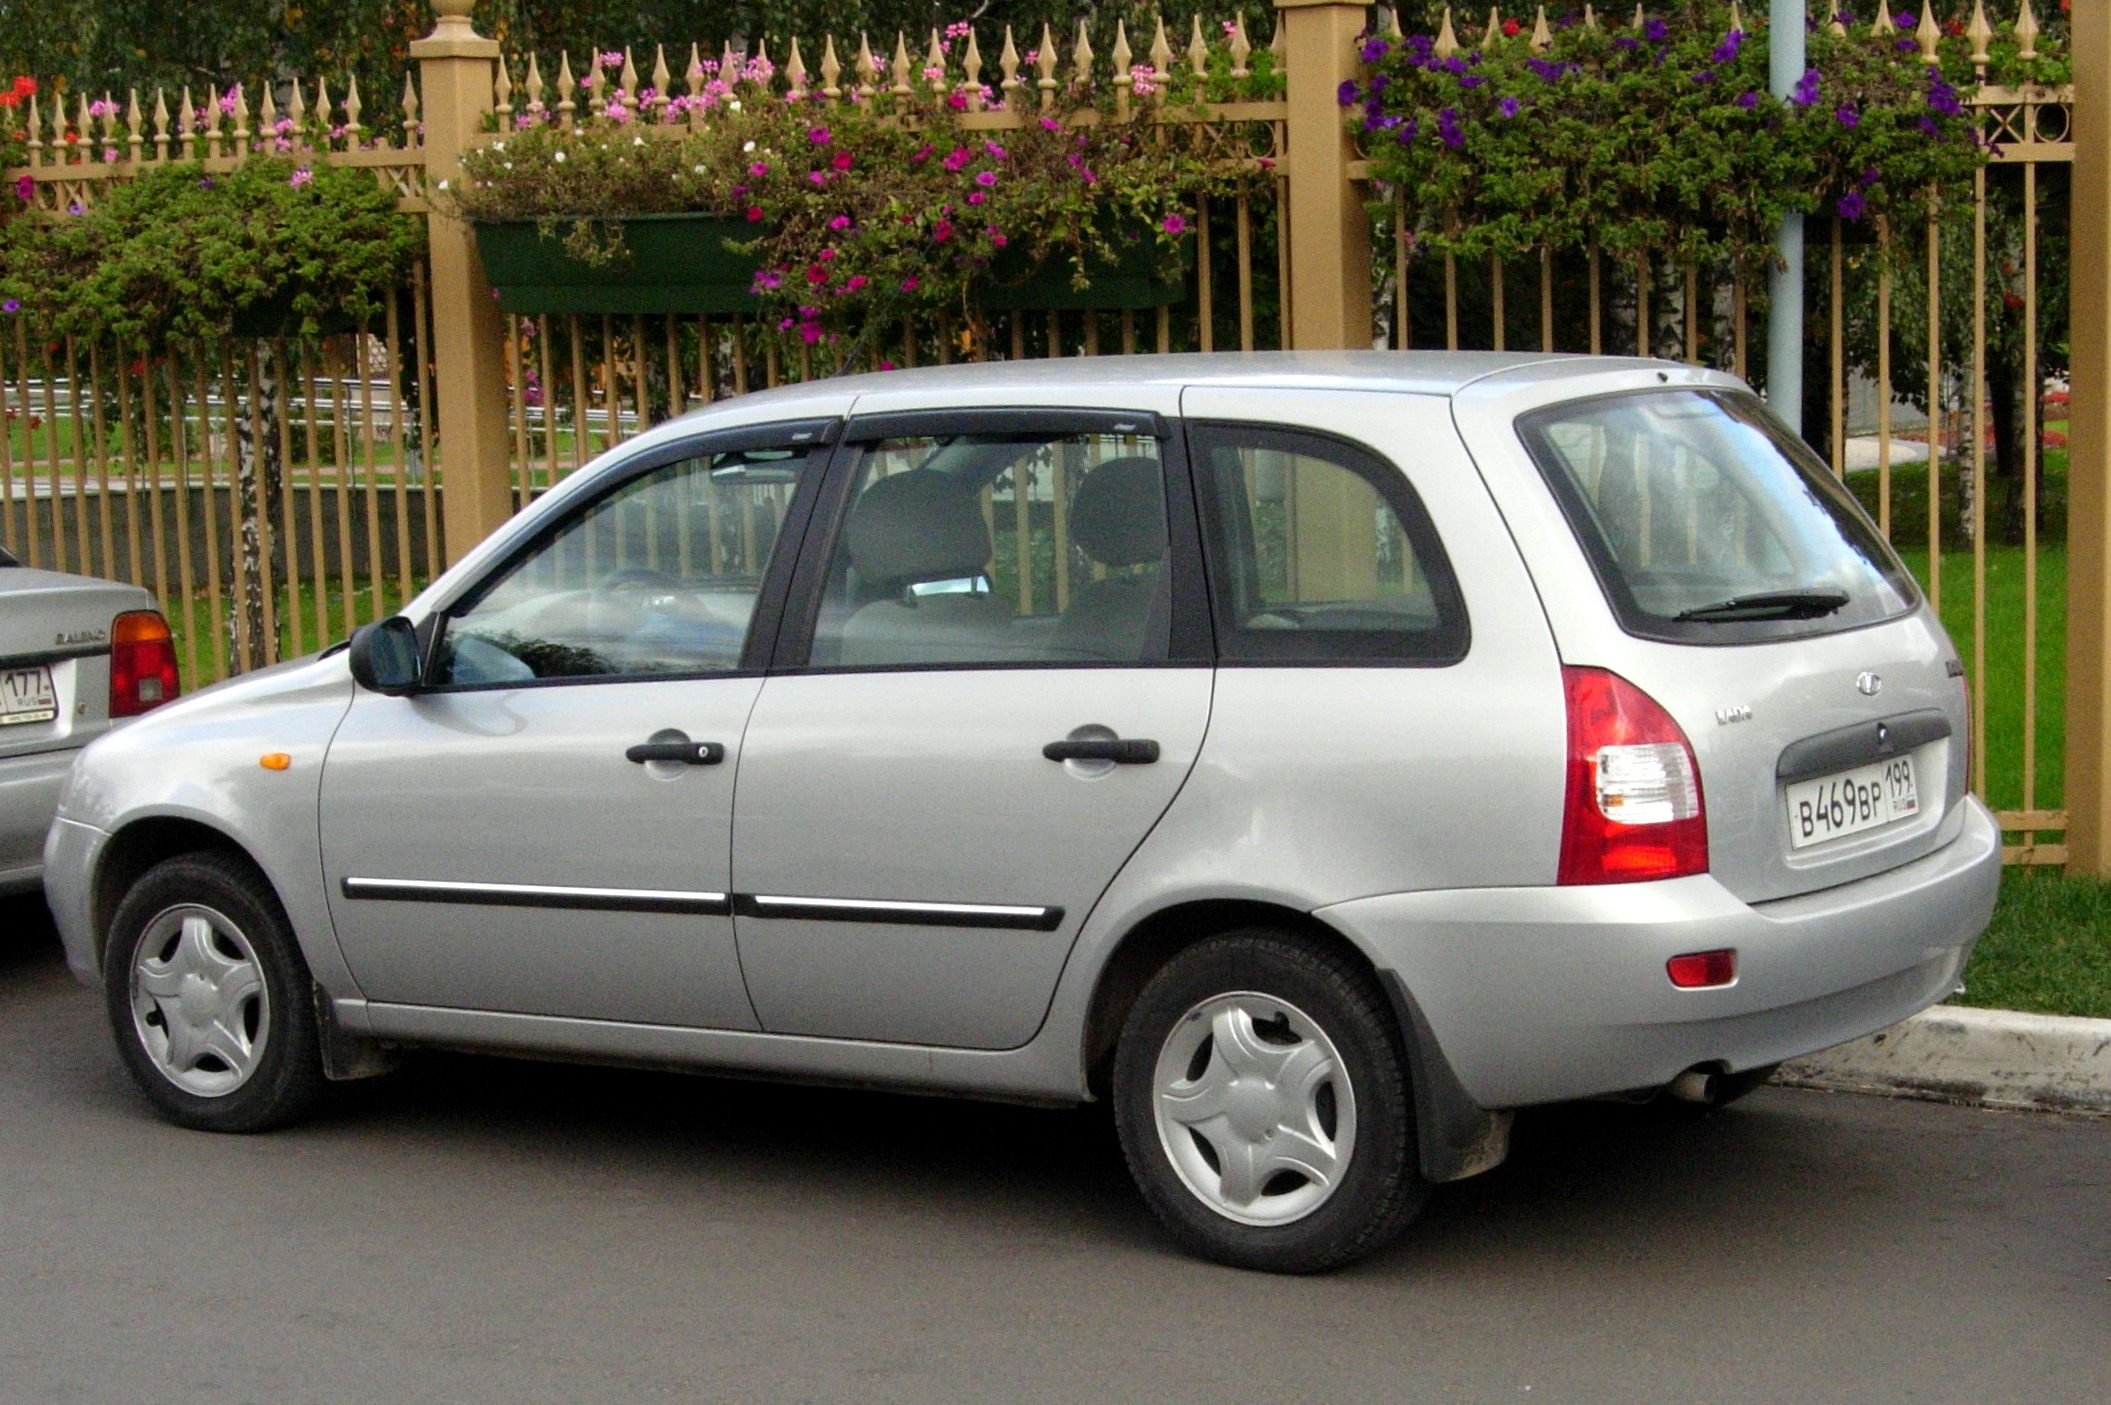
[{"x": 1693, "y": 1086}]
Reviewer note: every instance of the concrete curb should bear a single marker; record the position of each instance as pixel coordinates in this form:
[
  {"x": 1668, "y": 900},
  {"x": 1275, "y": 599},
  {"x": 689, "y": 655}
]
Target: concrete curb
[{"x": 1955, "y": 1053}]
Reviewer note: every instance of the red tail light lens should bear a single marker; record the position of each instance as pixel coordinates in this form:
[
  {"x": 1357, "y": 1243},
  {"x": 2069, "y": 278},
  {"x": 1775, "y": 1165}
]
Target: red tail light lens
[
  {"x": 1698, "y": 970},
  {"x": 142, "y": 663},
  {"x": 1634, "y": 808}
]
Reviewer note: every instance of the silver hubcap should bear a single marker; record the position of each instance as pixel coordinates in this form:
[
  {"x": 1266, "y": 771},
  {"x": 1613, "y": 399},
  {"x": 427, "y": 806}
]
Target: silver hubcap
[
  {"x": 1254, "y": 1108},
  {"x": 199, "y": 1002}
]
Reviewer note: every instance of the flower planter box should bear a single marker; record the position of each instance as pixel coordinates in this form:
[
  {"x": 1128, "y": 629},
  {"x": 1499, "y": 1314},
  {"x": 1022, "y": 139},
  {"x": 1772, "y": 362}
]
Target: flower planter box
[
  {"x": 675, "y": 263},
  {"x": 1136, "y": 278}
]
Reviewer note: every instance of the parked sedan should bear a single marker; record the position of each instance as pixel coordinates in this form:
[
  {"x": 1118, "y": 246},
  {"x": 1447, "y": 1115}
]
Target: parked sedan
[
  {"x": 1318, "y": 756},
  {"x": 77, "y": 655}
]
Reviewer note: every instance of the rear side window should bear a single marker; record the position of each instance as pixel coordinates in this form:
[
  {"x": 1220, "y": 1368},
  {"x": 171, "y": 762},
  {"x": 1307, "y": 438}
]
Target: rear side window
[
  {"x": 1707, "y": 522},
  {"x": 1320, "y": 552}
]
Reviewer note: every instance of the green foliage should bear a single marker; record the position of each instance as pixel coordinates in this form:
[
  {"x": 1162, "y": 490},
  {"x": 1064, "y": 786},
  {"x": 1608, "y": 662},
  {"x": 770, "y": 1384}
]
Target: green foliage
[
  {"x": 177, "y": 253},
  {"x": 1663, "y": 139}
]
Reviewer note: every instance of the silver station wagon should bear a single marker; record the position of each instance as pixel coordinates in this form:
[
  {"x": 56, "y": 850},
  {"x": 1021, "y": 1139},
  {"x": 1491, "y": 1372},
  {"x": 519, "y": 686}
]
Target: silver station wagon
[{"x": 1318, "y": 757}]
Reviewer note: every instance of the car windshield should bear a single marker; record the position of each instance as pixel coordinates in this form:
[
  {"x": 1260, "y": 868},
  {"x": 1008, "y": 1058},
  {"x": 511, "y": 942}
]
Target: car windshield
[{"x": 1709, "y": 523}]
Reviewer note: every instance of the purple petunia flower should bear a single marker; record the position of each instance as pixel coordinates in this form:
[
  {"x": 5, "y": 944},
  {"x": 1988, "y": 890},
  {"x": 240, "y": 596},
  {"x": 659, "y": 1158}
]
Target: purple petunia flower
[
  {"x": 1851, "y": 206},
  {"x": 1927, "y": 125},
  {"x": 1175, "y": 224},
  {"x": 985, "y": 179},
  {"x": 1904, "y": 19},
  {"x": 1470, "y": 81},
  {"x": 819, "y": 136},
  {"x": 11, "y": 306},
  {"x": 1726, "y": 52},
  {"x": 1906, "y": 46},
  {"x": 1348, "y": 93},
  {"x": 1869, "y": 178},
  {"x": 1656, "y": 31},
  {"x": 1748, "y": 100},
  {"x": 1508, "y": 107},
  {"x": 25, "y": 189},
  {"x": 1448, "y": 127},
  {"x": 1705, "y": 75},
  {"x": 1375, "y": 50},
  {"x": 1407, "y": 133},
  {"x": 1624, "y": 42},
  {"x": 1846, "y": 116},
  {"x": 1806, "y": 91}
]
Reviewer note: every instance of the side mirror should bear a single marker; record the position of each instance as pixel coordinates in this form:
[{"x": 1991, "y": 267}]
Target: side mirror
[{"x": 384, "y": 657}]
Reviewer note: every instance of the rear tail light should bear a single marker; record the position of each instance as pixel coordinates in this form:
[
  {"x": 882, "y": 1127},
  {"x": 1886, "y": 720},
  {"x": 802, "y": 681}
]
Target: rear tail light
[
  {"x": 142, "y": 663},
  {"x": 1633, "y": 808}
]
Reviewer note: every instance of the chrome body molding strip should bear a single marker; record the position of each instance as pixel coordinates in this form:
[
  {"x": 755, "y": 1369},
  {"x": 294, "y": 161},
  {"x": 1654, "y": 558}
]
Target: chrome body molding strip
[
  {"x": 1016, "y": 918},
  {"x": 405, "y": 890}
]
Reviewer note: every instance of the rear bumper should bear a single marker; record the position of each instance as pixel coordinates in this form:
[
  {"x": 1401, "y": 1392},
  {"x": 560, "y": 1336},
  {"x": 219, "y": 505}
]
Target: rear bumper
[
  {"x": 1543, "y": 994},
  {"x": 29, "y": 797}
]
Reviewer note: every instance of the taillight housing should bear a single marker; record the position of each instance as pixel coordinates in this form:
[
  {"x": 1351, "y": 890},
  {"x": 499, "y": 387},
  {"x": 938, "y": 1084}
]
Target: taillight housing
[
  {"x": 1633, "y": 810},
  {"x": 142, "y": 663}
]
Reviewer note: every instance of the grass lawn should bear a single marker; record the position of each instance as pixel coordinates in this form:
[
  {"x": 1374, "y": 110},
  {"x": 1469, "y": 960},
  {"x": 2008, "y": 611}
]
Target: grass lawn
[
  {"x": 196, "y": 632},
  {"x": 2048, "y": 950}
]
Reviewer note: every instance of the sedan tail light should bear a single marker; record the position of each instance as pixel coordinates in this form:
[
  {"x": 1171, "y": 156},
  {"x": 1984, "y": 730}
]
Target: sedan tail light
[
  {"x": 1633, "y": 810},
  {"x": 142, "y": 663}
]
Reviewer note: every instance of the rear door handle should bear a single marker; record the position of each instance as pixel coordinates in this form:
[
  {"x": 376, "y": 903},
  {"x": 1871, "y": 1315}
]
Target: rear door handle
[
  {"x": 687, "y": 753},
  {"x": 1125, "y": 751}
]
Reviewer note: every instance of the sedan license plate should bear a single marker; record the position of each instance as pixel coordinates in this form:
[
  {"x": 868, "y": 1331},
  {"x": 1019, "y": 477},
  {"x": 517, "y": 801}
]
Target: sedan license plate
[
  {"x": 26, "y": 695},
  {"x": 1849, "y": 802}
]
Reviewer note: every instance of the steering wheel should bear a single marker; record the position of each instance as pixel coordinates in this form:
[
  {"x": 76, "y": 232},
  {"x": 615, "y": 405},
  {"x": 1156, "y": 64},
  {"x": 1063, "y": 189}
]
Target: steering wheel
[{"x": 652, "y": 583}]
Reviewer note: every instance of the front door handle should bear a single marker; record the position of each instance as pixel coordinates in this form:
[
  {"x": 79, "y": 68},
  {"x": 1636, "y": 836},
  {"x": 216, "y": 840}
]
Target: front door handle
[
  {"x": 1123, "y": 751},
  {"x": 688, "y": 753}
]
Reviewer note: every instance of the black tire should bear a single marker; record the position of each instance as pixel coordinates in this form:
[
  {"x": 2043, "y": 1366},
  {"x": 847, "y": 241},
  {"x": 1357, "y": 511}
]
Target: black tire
[
  {"x": 284, "y": 1077},
  {"x": 1378, "y": 1191}
]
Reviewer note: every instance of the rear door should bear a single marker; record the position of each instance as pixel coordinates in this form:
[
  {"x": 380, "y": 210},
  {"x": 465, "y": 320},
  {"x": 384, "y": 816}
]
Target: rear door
[{"x": 998, "y": 680}]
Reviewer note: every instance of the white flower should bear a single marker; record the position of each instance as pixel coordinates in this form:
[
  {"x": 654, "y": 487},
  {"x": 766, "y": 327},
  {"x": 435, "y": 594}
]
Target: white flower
[
  {"x": 700, "y": 170},
  {"x": 735, "y": 104},
  {"x": 558, "y": 157},
  {"x": 498, "y": 146},
  {"x": 443, "y": 185},
  {"x": 750, "y": 146},
  {"x": 637, "y": 141}
]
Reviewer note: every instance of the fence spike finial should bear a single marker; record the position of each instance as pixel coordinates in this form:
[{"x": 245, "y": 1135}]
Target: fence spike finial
[
  {"x": 1279, "y": 42},
  {"x": 1008, "y": 65},
  {"x": 662, "y": 82},
  {"x": 1979, "y": 32},
  {"x": 566, "y": 86},
  {"x": 1590, "y": 18},
  {"x": 242, "y": 132},
  {"x": 693, "y": 75},
  {"x": 1197, "y": 48},
  {"x": 1161, "y": 53},
  {"x": 1045, "y": 64},
  {"x": 1929, "y": 33},
  {"x": 971, "y": 71},
  {"x": 1491, "y": 36},
  {"x": 1081, "y": 58},
  {"x": 1542, "y": 35},
  {"x": 901, "y": 90},
  {"x": 1641, "y": 20},
  {"x": 868, "y": 68},
  {"x": 352, "y": 113},
  {"x": 268, "y": 114},
  {"x": 1241, "y": 46},
  {"x": 1836, "y": 27},
  {"x": 1883, "y": 26},
  {"x": 596, "y": 82},
  {"x": 1124, "y": 80},
  {"x": 1447, "y": 42},
  {"x": 627, "y": 77},
  {"x": 322, "y": 110},
  {"x": 501, "y": 91},
  {"x": 935, "y": 58},
  {"x": 161, "y": 121},
  {"x": 1737, "y": 19},
  {"x": 2026, "y": 33},
  {"x": 795, "y": 71},
  {"x": 410, "y": 113},
  {"x": 831, "y": 70},
  {"x": 133, "y": 140},
  {"x": 535, "y": 87}
]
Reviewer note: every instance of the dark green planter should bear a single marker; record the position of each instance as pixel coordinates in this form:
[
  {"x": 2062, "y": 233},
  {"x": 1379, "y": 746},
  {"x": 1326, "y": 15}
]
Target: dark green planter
[
  {"x": 274, "y": 317},
  {"x": 1134, "y": 279},
  {"x": 676, "y": 263}
]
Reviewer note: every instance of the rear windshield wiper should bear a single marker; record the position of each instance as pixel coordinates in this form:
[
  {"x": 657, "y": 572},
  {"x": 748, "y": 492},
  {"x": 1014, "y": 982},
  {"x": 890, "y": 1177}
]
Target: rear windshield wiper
[{"x": 1769, "y": 605}]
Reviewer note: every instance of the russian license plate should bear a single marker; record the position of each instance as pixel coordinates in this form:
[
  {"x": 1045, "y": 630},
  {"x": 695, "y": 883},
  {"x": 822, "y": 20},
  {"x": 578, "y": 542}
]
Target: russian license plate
[
  {"x": 26, "y": 695},
  {"x": 1849, "y": 802}
]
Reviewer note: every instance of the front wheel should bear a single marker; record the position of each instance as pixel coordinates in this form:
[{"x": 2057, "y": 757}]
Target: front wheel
[
  {"x": 1262, "y": 1096},
  {"x": 209, "y": 999}
]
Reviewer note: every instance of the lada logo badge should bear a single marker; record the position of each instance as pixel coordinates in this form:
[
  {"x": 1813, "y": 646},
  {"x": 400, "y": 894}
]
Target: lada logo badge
[{"x": 1868, "y": 685}]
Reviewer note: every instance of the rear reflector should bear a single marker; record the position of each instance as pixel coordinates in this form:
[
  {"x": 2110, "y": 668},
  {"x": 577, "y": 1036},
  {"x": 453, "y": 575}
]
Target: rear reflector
[
  {"x": 1700, "y": 969},
  {"x": 142, "y": 663},
  {"x": 1633, "y": 808}
]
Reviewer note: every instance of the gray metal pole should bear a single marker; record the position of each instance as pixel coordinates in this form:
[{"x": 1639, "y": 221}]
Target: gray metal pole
[{"x": 1785, "y": 64}]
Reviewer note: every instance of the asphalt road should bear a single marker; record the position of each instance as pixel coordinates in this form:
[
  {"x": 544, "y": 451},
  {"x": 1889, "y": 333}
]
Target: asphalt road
[{"x": 484, "y": 1230}]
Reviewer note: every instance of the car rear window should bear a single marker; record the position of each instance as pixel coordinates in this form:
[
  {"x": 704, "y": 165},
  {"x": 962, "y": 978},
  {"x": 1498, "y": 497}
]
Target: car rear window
[{"x": 1709, "y": 523}]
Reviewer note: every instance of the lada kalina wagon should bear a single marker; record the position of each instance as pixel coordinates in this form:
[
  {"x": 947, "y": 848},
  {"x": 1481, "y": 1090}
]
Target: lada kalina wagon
[{"x": 1317, "y": 756}]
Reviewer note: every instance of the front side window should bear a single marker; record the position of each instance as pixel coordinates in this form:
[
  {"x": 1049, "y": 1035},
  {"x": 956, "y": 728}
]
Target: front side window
[
  {"x": 1709, "y": 523},
  {"x": 1321, "y": 552},
  {"x": 659, "y": 577},
  {"x": 995, "y": 549}
]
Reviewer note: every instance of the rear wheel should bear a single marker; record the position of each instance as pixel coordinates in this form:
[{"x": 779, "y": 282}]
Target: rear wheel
[
  {"x": 1261, "y": 1092},
  {"x": 209, "y": 999}
]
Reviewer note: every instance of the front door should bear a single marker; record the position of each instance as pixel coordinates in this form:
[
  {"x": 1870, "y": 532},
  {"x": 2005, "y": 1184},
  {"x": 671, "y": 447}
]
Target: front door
[
  {"x": 546, "y": 828},
  {"x": 1000, "y": 682}
]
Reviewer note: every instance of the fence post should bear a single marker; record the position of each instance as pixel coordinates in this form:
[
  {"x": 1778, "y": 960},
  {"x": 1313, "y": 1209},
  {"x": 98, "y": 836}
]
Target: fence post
[
  {"x": 455, "y": 72},
  {"x": 2088, "y": 788},
  {"x": 1328, "y": 228}
]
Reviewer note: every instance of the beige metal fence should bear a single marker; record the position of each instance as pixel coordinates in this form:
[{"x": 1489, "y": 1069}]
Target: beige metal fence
[{"x": 275, "y": 493}]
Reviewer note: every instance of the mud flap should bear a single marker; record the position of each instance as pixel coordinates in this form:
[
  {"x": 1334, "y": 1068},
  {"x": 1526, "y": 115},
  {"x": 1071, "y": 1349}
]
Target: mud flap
[{"x": 1455, "y": 1136}]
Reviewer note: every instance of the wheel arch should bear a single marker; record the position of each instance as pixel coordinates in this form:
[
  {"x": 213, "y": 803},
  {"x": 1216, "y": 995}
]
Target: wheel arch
[
  {"x": 138, "y": 846},
  {"x": 1455, "y": 1136}
]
